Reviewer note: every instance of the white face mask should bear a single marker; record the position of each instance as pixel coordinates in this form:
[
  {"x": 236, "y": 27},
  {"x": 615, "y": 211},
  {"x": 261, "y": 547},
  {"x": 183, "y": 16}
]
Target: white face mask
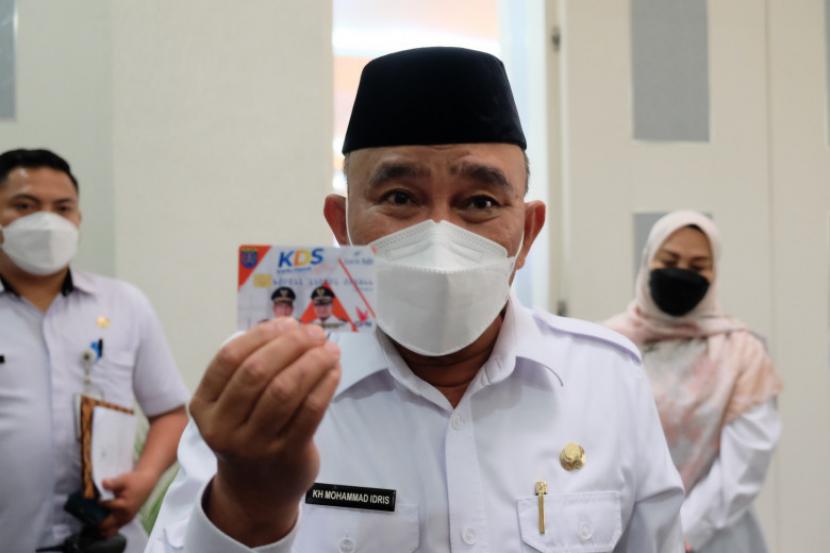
[
  {"x": 439, "y": 286},
  {"x": 41, "y": 243}
]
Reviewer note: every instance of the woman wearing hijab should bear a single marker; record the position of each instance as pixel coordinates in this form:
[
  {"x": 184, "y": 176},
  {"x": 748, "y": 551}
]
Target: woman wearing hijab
[{"x": 713, "y": 382}]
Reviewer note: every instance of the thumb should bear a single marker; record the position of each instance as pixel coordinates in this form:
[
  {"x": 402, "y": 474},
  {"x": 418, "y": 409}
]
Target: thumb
[{"x": 115, "y": 484}]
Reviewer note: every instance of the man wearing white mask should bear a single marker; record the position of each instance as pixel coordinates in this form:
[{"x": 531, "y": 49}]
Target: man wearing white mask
[
  {"x": 67, "y": 333},
  {"x": 468, "y": 422}
]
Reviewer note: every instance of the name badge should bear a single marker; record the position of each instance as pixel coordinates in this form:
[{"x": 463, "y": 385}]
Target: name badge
[{"x": 336, "y": 495}]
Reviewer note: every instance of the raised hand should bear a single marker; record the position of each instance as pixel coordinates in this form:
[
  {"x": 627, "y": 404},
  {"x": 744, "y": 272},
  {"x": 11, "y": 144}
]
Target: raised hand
[{"x": 257, "y": 407}]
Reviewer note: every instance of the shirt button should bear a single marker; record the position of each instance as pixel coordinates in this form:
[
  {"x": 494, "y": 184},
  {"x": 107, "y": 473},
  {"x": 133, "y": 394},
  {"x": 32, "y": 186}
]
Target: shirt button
[
  {"x": 457, "y": 422},
  {"x": 469, "y": 536},
  {"x": 585, "y": 532},
  {"x": 346, "y": 545}
]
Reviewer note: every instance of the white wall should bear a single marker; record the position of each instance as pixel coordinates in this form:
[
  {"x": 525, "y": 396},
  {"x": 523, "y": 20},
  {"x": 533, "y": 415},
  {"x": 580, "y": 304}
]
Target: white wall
[
  {"x": 221, "y": 135},
  {"x": 64, "y": 103},
  {"x": 193, "y": 126}
]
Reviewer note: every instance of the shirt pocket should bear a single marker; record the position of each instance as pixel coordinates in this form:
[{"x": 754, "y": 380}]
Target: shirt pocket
[
  {"x": 346, "y": 530},
  {"x": 122, "y": 359},
  {"x": 113, "y": 375},
  {"x": 585, "y": 522}
]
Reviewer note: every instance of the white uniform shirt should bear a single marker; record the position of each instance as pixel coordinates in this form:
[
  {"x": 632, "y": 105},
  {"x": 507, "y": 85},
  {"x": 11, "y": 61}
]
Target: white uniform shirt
[
  {"x": 465, "y": 477},
  {"x": 41, "y": 372},
  {"x": 717, "y": 515}
]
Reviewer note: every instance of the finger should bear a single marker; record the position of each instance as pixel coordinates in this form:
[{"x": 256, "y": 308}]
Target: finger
[
  {"x": 253, "y": 376},
  {"x": 231, "y": 355},
  {"x": 114, "y": 485},
  {"x": 108, "y": 526},
  {"x": 307, "y": 417},
  {"x": 289, "y": 388},
  {"x": 117, "y": 504}
]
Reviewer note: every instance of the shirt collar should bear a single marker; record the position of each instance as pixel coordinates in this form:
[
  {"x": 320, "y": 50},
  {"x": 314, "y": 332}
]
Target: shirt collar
[
  {"x": 361, "y": 356},
  {"x": 5, "y": 286},
  {"x": 70, "y": 283},
  {"x": 82, "y": 281},
  {"x": 522, "y": 337}
]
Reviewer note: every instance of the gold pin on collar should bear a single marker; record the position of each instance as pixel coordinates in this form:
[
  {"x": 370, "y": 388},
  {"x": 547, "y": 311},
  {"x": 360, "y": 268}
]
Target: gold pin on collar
[
  {"x": 102, "y": 321},
  {"x": 572, "y": 456}
]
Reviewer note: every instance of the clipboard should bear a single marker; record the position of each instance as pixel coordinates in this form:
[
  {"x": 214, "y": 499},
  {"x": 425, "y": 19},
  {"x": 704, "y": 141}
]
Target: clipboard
[{"x": 88, "y": 405}]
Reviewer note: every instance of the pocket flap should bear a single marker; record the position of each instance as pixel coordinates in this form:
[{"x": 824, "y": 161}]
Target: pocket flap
[
  {"x": 347, "y": 530},
  {"x": 586, "y": 522},
  {"x": 124, "y": 358}
]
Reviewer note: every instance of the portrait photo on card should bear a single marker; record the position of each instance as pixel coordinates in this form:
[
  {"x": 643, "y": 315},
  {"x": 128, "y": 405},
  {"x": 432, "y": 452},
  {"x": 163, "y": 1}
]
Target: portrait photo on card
[{"x": 331, "y": 287}]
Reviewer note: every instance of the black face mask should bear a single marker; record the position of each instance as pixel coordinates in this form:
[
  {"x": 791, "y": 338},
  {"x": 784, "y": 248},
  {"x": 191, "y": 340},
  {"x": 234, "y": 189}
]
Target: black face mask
[{"x": 677, "y": 291}]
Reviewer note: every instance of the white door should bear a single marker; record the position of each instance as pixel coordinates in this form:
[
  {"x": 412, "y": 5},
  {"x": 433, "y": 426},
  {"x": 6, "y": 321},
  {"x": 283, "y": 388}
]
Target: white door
[{"x": 766, "y": 97}]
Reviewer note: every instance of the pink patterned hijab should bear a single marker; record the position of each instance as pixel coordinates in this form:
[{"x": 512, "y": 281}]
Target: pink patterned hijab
[{"x": 721, "y": 370}]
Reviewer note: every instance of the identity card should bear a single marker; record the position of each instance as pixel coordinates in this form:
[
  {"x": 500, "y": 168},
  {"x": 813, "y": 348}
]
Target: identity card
[{"x": 327, "y": 286}]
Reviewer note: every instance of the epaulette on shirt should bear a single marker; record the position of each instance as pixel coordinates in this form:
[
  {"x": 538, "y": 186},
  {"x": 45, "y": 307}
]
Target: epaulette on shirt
[{"x": 587, "y": 329}]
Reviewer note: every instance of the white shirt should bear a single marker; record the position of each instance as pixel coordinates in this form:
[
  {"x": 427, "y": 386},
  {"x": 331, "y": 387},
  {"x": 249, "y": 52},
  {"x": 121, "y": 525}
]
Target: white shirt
[
  {"x": 465, "y": 477},
  {"x": 42, "y": 371},
  {"x": 717, "y": 515}
]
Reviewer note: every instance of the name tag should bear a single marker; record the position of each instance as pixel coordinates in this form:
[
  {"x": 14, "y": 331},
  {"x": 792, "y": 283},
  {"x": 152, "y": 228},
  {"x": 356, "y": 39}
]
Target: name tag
[{"x": 336, "y": 495}]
